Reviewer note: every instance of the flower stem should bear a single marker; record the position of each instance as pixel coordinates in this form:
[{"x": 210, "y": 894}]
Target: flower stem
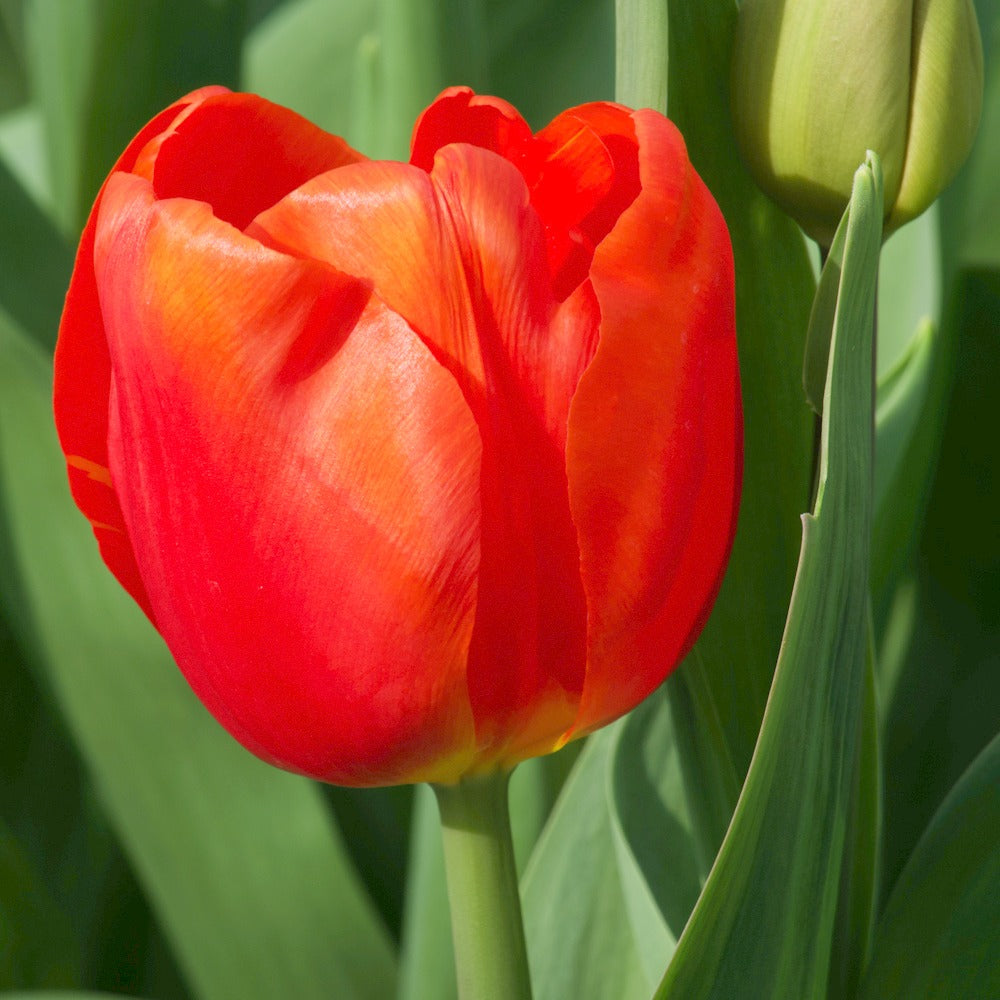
[
  {"x": 490, "y": 957},
  {"x": 641, "y": 53}
]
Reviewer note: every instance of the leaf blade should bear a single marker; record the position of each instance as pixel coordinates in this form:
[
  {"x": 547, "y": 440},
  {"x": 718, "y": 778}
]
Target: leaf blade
[
  {"x": 218, "y": 839},
  {"x": 786, "y": 841}
]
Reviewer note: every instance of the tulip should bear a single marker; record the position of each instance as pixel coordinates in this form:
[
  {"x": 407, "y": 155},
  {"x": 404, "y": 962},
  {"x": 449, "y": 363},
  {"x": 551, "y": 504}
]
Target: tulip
[
  {"x": 418, "y": 468},
  {"x": 817, "y": 83}
]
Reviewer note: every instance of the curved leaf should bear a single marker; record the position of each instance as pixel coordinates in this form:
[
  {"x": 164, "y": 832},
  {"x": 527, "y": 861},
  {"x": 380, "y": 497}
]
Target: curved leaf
[
  {"x": 766, "y": 920},
  {"x": 740, "y": 643},
  {"x": 580, "y": 941},
  {"x": 938, "y": 935},
  {"x": 218, "y": 839}
]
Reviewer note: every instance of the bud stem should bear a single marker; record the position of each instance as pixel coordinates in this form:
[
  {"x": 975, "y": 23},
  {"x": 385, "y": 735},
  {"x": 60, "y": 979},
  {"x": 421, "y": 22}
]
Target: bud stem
[
  {"x": 490, "y": 957},
  {"x": 641, "y": 53}
]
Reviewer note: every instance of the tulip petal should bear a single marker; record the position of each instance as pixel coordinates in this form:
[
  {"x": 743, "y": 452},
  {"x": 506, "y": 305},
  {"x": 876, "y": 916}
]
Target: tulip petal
[
  {"x": 83, "y": 375},
  {"x": 459, "y": 115},
  {"x": 241, "y": 154},
  {"x": 581, "y": 170},
  {"x": 655, "y": 435},
  {"x": 299, "y": 477},
  {"x": 460, "y": 253}
]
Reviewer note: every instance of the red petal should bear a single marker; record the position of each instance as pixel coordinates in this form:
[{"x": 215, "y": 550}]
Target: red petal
[
  {"x": 612, "y": 124},
  {"x": 82, "y": 382},
  {"x": 299, "y": 477},
  {"x": 243, "y": 154},
  {"x": 459, "y": 115},
  {"x": 581, "y": 170},
  {"x": 655, "y": 439},
  {"x": 460, "y": 254}
]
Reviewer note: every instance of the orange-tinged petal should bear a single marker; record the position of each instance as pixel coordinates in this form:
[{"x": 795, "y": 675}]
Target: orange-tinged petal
[
  {"x": 82, "y": 380},
  {"x": 655, "y": 438},
  {"x": 300, "y": 480},
  {"x": 242, "y": 154},
  {"x": 460, "y": 253},
  {"x": 459, "y": 115},
  {"x": 581, "y": 170}
]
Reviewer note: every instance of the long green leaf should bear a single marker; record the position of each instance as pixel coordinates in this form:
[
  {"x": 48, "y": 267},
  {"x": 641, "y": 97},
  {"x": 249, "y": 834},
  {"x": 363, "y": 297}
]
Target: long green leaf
[
  {"x": 859, "y": 877},
  {"x": 910, "y": 397},
  {"x": 942, "y": 701},
  {"x": 425, "y": 48},
  {"x": 765, "y": 923},
  {"x": 673, "y": 789},
  {"x": 774, "y": 289},
  {"x": 36, "y": 942},
  {"x": 937, "y": 939},
  {"x": 816, "y": 359},
  {"x": 241, "y": 862},
  {"x": 102, "y": 68},
  {"x": 548, "y": 55},
  {"x": 580, "y": 941},
  {"x": 35, "y": 270},
  {"x": 64, "y": 995},
  {"x": 427, "y": 959},
  {"x": 60, "y": 37},
  {"x": 303, "y": 56}
]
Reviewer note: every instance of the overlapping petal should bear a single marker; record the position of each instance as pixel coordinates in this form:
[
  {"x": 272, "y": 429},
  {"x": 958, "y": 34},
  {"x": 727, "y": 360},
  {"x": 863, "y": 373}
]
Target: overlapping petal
[
  {"x": 655, "y": 431},
  {"x": 82, "y": 367},
  {"x": 460, "y": 253},
  {"x": 304, "y": 522}
]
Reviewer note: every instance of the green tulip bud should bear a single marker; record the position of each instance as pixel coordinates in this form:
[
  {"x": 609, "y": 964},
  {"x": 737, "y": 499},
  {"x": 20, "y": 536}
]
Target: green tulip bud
[{"x": 817, "y": 83}]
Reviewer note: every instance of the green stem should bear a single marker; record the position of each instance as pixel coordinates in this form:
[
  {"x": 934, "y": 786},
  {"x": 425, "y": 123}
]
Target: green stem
[
  {"x": 490, "y": 957},
  {"x": 641, "y": 53}
]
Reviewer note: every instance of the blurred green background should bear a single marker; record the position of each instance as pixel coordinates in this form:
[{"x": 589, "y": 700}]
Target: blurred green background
[{"x": 140, "y": 850}]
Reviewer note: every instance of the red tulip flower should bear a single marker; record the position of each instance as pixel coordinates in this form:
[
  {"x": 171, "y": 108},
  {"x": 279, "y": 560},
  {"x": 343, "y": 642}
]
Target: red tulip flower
[{"x": 419, "y": 468}]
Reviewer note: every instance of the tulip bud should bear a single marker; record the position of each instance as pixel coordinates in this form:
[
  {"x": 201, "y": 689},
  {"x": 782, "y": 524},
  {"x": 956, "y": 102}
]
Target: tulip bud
[{"x": 816, "y": 83}]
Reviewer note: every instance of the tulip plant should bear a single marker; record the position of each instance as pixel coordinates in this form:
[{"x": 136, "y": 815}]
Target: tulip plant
[{"x": 551, "y": 525}]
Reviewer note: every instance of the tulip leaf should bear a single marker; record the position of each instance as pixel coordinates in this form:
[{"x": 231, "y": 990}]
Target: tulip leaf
[
  {"x": 642, "y": 32},
  {"x": 821, "y": 319},
  {"x": 569, "y": 48},
  {"x": 942, "y": 698},
  {"x": 59, "y": 49},
  {"x": 48, "y": 805},
  {"x": 910, "y": 394},
  {"x": 766, "y": 920},
  {"x": 579, "y": 936},
  {"x": 36, "y": 941},
  {"x": 427, "y": 960},
  {"x": 859, "y": 885},
  {"x": 909, "y": 287},
  {"x": 65, "y": 995},
  {"x": 22, "y": 149},
  {"x": 101, "y": 70},
  {"x": 302, "y": 55},
  {"x": 673, "y": 790},
  {"x": 425, "y": 47},
  {"x": 218, "y": 839},
  {"x": 13, "y": 79},
  {"x": 33, "y": 279},
  {"x": 740, "y": 643},
  {"x": 660, "y": 865},
  {"x": 937, "y": 937}
]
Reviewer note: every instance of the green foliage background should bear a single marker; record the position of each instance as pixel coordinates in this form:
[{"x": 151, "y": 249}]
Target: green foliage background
[{"x": 143, "y": 852}]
